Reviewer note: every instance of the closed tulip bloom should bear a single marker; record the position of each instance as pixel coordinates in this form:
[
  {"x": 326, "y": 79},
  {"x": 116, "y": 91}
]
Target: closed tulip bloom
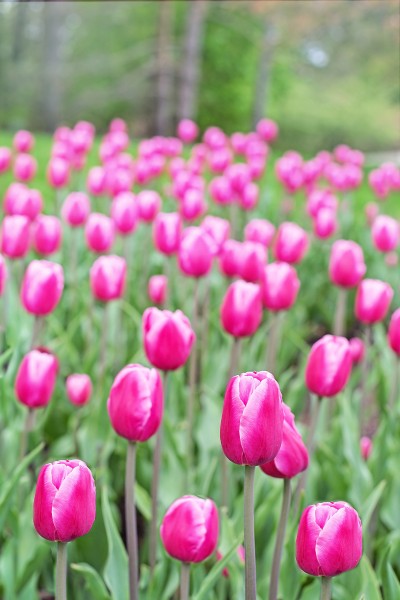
[
  {"x": 20, "y": 200},
  {"x": 259, "y": 230},
  {"x": 36, "y": 378},
  {"x": 385, "y": 233},
  {"x": 291, "y": 243},
  {"x": 280, "y": 286},
  {"x": 58, "y": 172},
  {"x": 357, "y": 348},
  {"x": 99, "y": 232},
  {"x": 373, "y": 300},
  {"x": 394, "y": 332},
  {"x": 267, "y": 130},
  {"x": 125, "y": 213},
  {"x": 167, "y": 233},
  {"x": 5, "y": 159},
  {"x": 157, "y": 289},
  {"x": 64, "y": 507},
  {"x": 219, "y": 229},
  {"x": 328, "y": 366},
  {"x": 76, "y": 209},
  {"x": 292, "y": 457},
  {"x": 96, "y": 181},
  {"x": 366, "y": 447},
  {"x": 25, "y": 167},
  {"x": 241, "y": 310},
  {"x": 252, "y": 262},
  {"x": 15, "y": 236},
  {"x": 189, "y": 529},
  {"x": 249, "y": 196},
  {"x": 79, "y": 388},
  {"x": 220, "y": 190},
  {"x": 230, "y": 258},
  {"x": 47, "y": 233},
  {"x": 187, "y": 131},
  {"x": 329, "y": 539},
  {"x": 168, "y": 338},
  {"x": 23, "y": 141},
  {"x": 3, "y": 274},
  {"x": 42, "y": 287},
  {"x": 108, "y": 278},
  {"x": 346, "y": 264},
  {"x": 135, "y": 404},
  {"x": 196, "y": 252},
  {"x": 149, "y": 203},
  {"x": 325, "y": 223},
  {"x": 193, "y": 205},
  {"x": 252, "y": 419}
]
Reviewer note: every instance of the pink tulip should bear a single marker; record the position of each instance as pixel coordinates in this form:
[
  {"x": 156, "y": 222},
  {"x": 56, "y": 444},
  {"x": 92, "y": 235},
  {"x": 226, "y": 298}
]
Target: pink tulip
[
  {"x": 241, "y": 310},
  {"x": 292, "y": 457},
  {"x": 96, "y": 181},
  {"x": 220, "y": 159},
  {"x": 291, "y": 243},
  {"x": 23, "y": 141},
  {"x": 168, "y": 338},
  {"x": 108, "y": 278},
  {"x": 5, "y": 159},
  {"x": 79, "y": 388},
  {"x": 218, "y": 229},
  {"x": 329, "y": 539},
  {"x": 280, "y": 286},
  {"x": 261, "y": 231},
  {"x": 196, "y": 252},
  {"x": 239, "y": 142},
  {"x": 64, "y": 507},
  {"x": 214, "y": 137},
  {"x": 325, "y": 223},
  {"x": 76, "y": 209},
  {"x": 149, "y": 204},
  {"x": 99, "y": 232},
  {"x": 252, "y": 262},
  {"x": 36, "y": 378},
  {"x": 187, "y": 131},
  {"x": 328, "y": 366},
  {"x": 346, "y": 264},
  {"x": 267, "y": 130},
  {"x": 11, "y": 197},
  {"x": 248, "y": 198},
  {"x": 221, "y": 191},
  {"x": 15, "y": 236},
  {"x": 373, "y": 300},
  {"x": 58, "y": 172},
  {"x": 157, "y": 289},
  {"x": 357, "y": 348},
  {"x": 20, "y": 200},
  {"x": 135, "y": 404},
  {"x": 230, "y": 258},
  {"x": 193, "y": 205},
  {"x": 385, "y": 233},
  {"x": 3, "y": 274},
  {"x": 319, "y": 199},
  {"x": 239, "y": 177},
  {"x": 118, "y": 125},
  {"x": 125, "y": 213},
  {"x": 394, "y": 332},
  {"x": 46, "y": 234},
  {"x": 42, "y": 287},
  {"x": 189, "y": 529},
  {"x": 25, "y": 167},
  {"x": 252, "y": 419},
  {"x": 167, "y": 233},
  {"x": 366, "y": 447}
]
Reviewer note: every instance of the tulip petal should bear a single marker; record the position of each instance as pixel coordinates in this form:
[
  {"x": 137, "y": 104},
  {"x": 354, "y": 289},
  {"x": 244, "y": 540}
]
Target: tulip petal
[
  {"x": 42, "y": 504},
  {"x": 339, "y": 545},
  {"x": 305, "y": 542},
  {"x": 230, "y": 422}
]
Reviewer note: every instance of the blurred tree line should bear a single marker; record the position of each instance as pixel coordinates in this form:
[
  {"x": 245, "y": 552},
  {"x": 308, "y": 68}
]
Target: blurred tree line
[{"x": 327, "y": 71}]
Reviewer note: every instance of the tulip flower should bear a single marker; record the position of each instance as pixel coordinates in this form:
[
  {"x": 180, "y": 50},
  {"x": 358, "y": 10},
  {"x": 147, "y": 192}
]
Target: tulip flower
[
  {"x": 135, "y": 408},
  {"x": 329, "y": 541},
  {"x": 189, "y": 533},
  {"x": 357, "y": 348},
  {"x": 96, "y": 181},
  {"x": 325, "y": 223},
  {"x": 167, "y": 233},
  {"x": 3, "y": 274},
  {"x": 192, "y": 205},
  {"x": 25, "y": 167},
  {"x": 64, "y": 509},
  {"x": 267, "y": 130},
  {"x": 230, "y": 258},
  {"x": 149, "y": 204},
  {"x": 79, "y": 388},
  {"x": 241, "y": 309},
  {"x": 15, "y": 236},
  {"x": 291, "y": 243},
  {"x": 373, "y": 300},
  {"x": 259, "y": 230},
  {"x": 42, "y": 287},
  {"x": 385, "y": 233},
  {"x": 5, "y": 159},
  {"x": 253, "y": 257},
  {"x": 107, "y": 278},
  {"x": 99, "y": 232},
  {"x": 218, "y": 229},
  {"x": 196, "y": 252},
  {"x": 328, "y": 366},
  {"x": 157, "y": 289},
  {"x": 187, "y": 131},
  {"x": 125, "y": 213},
  {"x": 58, "y": 172},
  {"x": 76, "y": 209},
  {"x": 394, "y": 343},
  {"x": 46, "y": 234},
  {"x": 20, "y": 200},
  {"x": 23, "y": 141},
  {"x": 365, "y": 447}
]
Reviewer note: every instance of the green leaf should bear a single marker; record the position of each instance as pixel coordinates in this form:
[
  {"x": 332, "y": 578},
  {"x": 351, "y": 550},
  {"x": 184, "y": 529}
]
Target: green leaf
[
  {"x": 371, "y": 503},
  {"x": 370, "y": 584},
  {"x": 33, "y": 566},
  {"x": 214, "y": 575},
  {"x": 390, "y": 583},
  {"x": 143, "y": 501},
  {"x": 116, "y": 569},
  {"x": 93, "y": 582}
]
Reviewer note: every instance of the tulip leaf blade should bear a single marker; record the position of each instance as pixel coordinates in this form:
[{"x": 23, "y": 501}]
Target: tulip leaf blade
[
  {"x": 93, "y": 582},
  {"x": 213, "y": 576},
  {"x": 390, "y": 582},
  {"x": 371, "y": 503},
  {"x": 116, "y": 568}
]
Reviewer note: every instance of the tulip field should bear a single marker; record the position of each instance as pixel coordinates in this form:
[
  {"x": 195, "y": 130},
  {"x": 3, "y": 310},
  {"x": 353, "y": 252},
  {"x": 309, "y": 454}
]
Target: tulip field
[{"x": 200, "y": 368}]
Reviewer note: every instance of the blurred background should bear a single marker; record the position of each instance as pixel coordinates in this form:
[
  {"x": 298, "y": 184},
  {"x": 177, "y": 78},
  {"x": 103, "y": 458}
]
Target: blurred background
[{"x": 327, "y": 71}]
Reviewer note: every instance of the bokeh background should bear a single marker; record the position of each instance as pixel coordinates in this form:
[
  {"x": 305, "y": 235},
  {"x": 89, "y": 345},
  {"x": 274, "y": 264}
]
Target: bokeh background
[{"x": 327, "y": 71}]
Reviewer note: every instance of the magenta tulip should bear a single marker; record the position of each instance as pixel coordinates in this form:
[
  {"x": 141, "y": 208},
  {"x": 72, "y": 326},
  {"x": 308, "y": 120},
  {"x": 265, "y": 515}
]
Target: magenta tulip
[
  {"x": 219, "y": 229},
  {"x": 5, "y": 159},
  {"x": 36, "y": 378},
  {"x": 373, "y": 300},
  {"x": 187, "y": 131},
  {"x": 15, "y": 236},
  {"x": 366, "y": 447},
  {"x": 230, "y": 258},
  {"x": 196, "y": 252},
  {"x": 23, "y": 141},
  {"x": 328, "y": 366},
  {"x": 252, "y": 419},
  {"x": 267, "y": 130},
  {"x": 3, "y": 274},
  {"x": 385, "y": 233},
  {"x": 64, "y": 507},
  {"x": 357, "y": 348},
  {"x": 241, "y": 309},
  {"x": 149, "y": 204},
  {"x": 25, "y": 167},
  {"x": 325, "y": 223},
  {"x": 192, "y": 205},
  {"x": 167, "y": 233},
  {"x": 125, "y": 213},
  {"x": 42, "y": 287},
  {"x": 157, "y": 289},
  {"x": 346, "y": 264},
  {"x": 280, "y": 286},
  {"x": 79, "y": 388},
  {"x": 253, "y": 257},
  {"x": 261, "y": 231},
  {"x": 96, "y": 181},
  {"x": 329, "y": 539},
  {"x": 394, "y": 332},
  {"x": 46, "y": 234},
  {"x": 108, "y": 278},
  {"x": 58, "y": 172},
  {"x": 189, "y": 530},
  {"x": 99, "y": 232},
  {"x": 76, "y": 209},
  {"x": 291, "y": 243}
]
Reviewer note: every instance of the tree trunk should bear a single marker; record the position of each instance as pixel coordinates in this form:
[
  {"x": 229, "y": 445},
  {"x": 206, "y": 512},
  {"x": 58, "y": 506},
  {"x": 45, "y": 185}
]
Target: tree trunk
[{"x": 164, "y": 76}]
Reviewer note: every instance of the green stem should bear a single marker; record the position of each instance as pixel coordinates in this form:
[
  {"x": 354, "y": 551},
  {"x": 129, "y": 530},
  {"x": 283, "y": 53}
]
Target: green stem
[
  {"x": 104, "y": 342},
  {"x": 192, "y": 384},
  {"x": 394, "y": 394},
  {"x": 340, "y": 312},
  {"x": 130, "y": 520},
  {"x": 365, "y": 367},
  {"x": 280, "y": 537},
  {"x": 61, "y": 572},
  {"x": 249, "y": 543},
  {"x": 273, "y": 341},
  {"x": 28, "y": 426},
  {"x": 185, "y": 581},
  {"x": 37, "y": 329},
  {"x": 326, "y": 588}
]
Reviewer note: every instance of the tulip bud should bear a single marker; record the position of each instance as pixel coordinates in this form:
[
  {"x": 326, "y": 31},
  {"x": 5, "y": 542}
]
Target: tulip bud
[
  {"x": 219, "y": 229},
  {"x": 252, "y": 419},
  {"x": 46, "y": 238},
  {"x": 230, "y": 258},
  {"x": 76, "y": 209},
  {"x": 325, "y": 223},
  {"x": 221, "y": 191},
  {"x": 125, "y": 213},
  {"x": 58, "y": 172},
  {"x": 329, "y": 539},
  {"x": 36, "y": 378},
  {"x": 241, "y": 310},
  {"x": 385, "y": 233},
  {"x": 252, "y": 262},
  {"x": 249, "y": 196},
  {"x": 292, "y": 457},
  {"x": 328, "y": 366},
  {"x": 99, "y": 232},
  {"x": 108, "y": 277},
  {"x": 373, "y": 300},
  {"x": 187, "y": 131},
  {"x": 357, "y": 348},
  {"x": 193, "y": 205},
  {"x": 64, "y": 507},
  {"x": 346, "y": 264},
  {"x": 96, "y": 181},
  {"x": 79, "y": 388},
  {"x": 25, "y": 167},
  {"x": 280, "y": 286},
  {"x": 168, "y": 338},
  {"x": 149, "y": 204},
  {"x": 291, "y": 243},
  {"x": 196, "y": 252},
  {"x": 365, "y": 447},
  {"x": 42, "y": 287},
  {"x": 5, "y": 159},
  {"x": 157, "y": 289},
  {"x": 267, "y": 130},
  {"x": 189, "y": 530},
  {"x": 167, "y": 232},
  {"x": 15, "y": 236},
  {"x": 259, "y": 230},
  {"x": 394, "y": 332},
  {"x": 23, "y": 141},
  {"x": 3, "y": 274}
]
